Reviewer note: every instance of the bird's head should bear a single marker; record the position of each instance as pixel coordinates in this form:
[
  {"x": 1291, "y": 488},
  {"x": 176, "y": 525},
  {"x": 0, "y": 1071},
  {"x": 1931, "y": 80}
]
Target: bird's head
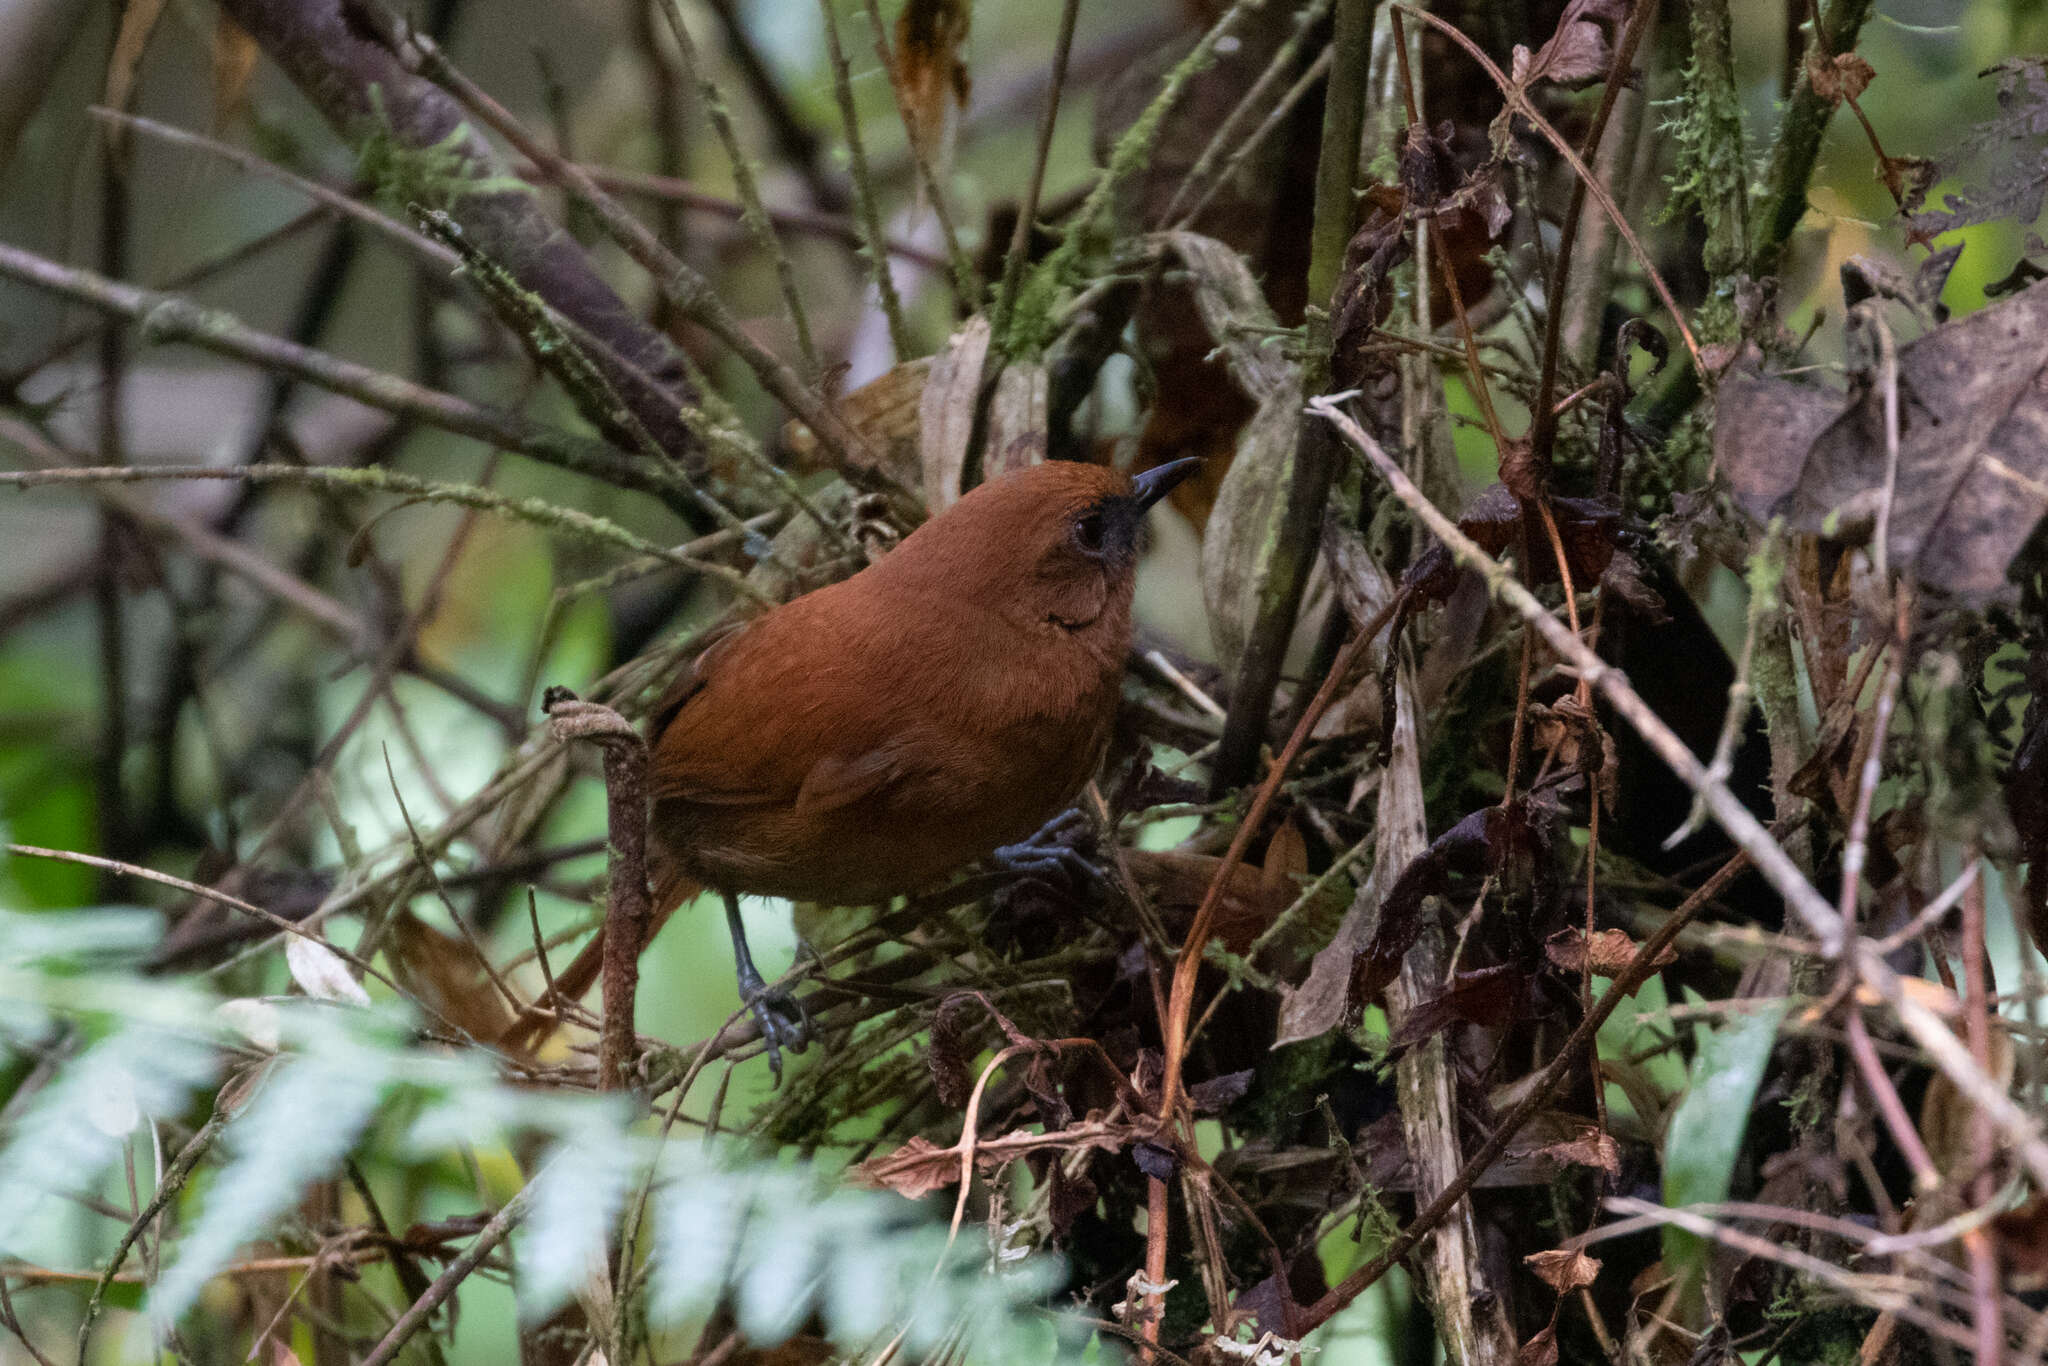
[{"x": 1054, "y": 544}]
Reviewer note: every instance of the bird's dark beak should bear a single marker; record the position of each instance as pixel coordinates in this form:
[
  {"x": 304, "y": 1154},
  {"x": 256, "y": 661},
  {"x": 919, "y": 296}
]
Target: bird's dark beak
[{"x": 1155, "y": 483}]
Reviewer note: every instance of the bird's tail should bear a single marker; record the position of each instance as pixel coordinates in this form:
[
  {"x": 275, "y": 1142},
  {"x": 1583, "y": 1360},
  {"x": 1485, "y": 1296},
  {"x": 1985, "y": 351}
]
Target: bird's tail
[{"x": 671, "y": 888}]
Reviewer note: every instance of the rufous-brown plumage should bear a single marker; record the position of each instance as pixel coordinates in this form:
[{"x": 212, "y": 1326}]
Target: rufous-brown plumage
[{"x": 867, "y": 739}]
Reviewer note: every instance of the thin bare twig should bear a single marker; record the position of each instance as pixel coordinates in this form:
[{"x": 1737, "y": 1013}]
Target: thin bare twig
[
  {"x": 486, "y": 1241},
  {"x": 1027, "y": 212}
]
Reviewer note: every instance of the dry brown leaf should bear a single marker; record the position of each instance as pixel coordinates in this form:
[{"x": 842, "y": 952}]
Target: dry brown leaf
[
  {"x": 2022, "y": 1237},
  {"x": 914, "y": 1170},
  {"x": 1612, "y": 952},
  {"x": 1972, "y": 472},
  {"x": 1591, "y": 1146},
  {"x": 1577, "y": 51},
  {"x": 920, "y": 1166},
  {"x": 1947, "y": 1118},
  {"x": 1842, "y": 76},
  {"x": 1540, "y": 1350},
  {"x": 445, "y": 974},
  {"x": 884, "y": 414},
  {"x": 1563, "y": 1270},
  {"x": 930, "y": 38},
  {"x": 1176, "y": 881},
  {"x": 234, "y": 62}
]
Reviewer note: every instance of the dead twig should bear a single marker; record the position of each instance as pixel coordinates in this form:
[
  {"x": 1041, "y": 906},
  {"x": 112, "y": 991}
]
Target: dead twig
[{"x": 628, "y": 907}]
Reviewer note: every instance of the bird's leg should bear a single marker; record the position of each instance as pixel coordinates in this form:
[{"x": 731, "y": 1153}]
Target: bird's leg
[
  {"x": 781, "y": 1018},
  {"x": 1054, "y": 852}
]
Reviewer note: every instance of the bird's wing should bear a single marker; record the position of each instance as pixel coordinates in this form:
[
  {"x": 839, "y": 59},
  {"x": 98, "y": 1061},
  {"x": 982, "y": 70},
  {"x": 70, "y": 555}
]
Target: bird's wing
[{"x": 756, "y": 725}]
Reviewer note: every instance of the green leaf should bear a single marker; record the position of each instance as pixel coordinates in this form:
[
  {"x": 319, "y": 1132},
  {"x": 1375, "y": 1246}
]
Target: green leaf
[
  {"x": 297, "y": 1129},
  {"x": 57, "y": 1147},
  {"x": 1705, "y": 1136},
  {"x": 579, "y": 1196}
]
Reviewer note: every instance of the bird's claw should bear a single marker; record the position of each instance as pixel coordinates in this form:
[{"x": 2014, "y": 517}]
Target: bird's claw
[
  {"x": 1053, "y": 854},
  {"x": 782, "y": 1019}
]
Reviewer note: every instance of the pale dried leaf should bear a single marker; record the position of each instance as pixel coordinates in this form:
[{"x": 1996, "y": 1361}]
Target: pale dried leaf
[
  {"x": 1244, "y": 530},
  {"x": 945, "y": 413},
  {"x": 1016, "y": 420},
  {"x": 1236, "y": 315},
  {"x": 254, "y": 1019},
  {"x": 111, "y": 1107},
  {"x": 1562, "y": 1270},
  {"x": 320, "y": 972},
  {"x": 1322, "y": 1002}
]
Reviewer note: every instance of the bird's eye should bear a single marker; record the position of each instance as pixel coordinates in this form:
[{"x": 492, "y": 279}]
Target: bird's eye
[{"x": 1088, "y": 532}]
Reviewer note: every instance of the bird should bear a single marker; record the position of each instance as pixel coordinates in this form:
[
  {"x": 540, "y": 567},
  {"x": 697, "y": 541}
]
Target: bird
[{"x": 865, "y": 740}]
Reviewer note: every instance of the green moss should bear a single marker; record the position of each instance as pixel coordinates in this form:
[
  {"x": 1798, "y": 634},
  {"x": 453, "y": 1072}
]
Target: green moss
[
  {"x": 439, "y": 176},
  {"x": 1710, "y": 173}
]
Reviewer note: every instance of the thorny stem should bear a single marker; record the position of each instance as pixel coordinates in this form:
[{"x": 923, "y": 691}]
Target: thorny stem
[
  {"x": 1797, "y": 148},
  {"x": 486, "y": 1241},
  {"x": 1283, "y": 574},
  {"x": 1308, "y": 80},
  {"x": 830, "y": 227},
  {"x": 1203, "y": 178},
  {"x": 170, "y": 318},
  {"x": 1857, "y": 847},
  {"x": 1977, "y": 1027},
  {"x": 167, "y": 1189},
  {"x": 376, "y": 479},
  {"x": 684, "y": 288}
]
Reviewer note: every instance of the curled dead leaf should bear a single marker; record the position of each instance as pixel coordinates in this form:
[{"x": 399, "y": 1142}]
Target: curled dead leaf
[
  {"x": 1577, "y": 51},
  {"x": 1591, "y": 1146},
  {"x": 1845, "y": 75},
  {"x": 1610, "y": 952},
  {"x": 884, "y": 414},
  {"x": 931, "y": 35},
  {"x": 1563, "y": 1270}
]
